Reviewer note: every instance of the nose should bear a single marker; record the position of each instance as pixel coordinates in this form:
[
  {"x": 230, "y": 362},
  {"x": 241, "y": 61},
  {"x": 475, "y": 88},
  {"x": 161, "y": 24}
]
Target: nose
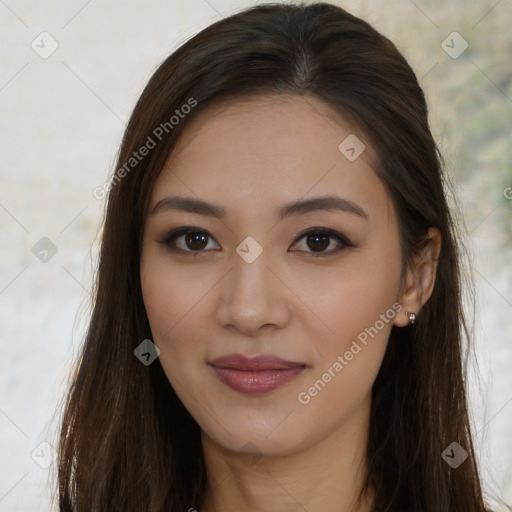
[{"x": 254, "y": 298}]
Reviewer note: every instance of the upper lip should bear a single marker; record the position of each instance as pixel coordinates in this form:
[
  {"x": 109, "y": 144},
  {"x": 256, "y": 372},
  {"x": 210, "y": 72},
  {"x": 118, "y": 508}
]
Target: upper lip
[{"x": 261, "y": 362}]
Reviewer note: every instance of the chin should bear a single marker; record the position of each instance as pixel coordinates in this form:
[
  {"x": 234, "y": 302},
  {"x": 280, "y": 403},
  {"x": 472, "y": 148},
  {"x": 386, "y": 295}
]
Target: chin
[{"x": 264, "y": 436}]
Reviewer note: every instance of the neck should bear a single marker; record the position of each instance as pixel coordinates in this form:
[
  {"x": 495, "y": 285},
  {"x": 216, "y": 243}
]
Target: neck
[{"x": 326, "y": 476}]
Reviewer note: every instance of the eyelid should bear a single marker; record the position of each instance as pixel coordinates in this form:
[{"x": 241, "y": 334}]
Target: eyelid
[{"x": 326, "y": 231}]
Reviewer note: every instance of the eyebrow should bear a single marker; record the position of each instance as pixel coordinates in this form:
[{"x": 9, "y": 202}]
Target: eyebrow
[{"x": 299, "y": 207}]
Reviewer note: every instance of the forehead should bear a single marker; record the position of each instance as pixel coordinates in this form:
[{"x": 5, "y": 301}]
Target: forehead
[
  {"x": 270, "y": 149},
  {"x": 271, "y": 121}
]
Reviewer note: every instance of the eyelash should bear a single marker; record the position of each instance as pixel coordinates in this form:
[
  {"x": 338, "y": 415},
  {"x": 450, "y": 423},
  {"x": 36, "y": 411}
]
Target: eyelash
[{"x": 171, "y": 237}]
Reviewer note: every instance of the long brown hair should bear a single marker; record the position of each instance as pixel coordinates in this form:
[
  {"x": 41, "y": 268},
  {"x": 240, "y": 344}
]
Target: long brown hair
[{"x": 127, "y": 442}]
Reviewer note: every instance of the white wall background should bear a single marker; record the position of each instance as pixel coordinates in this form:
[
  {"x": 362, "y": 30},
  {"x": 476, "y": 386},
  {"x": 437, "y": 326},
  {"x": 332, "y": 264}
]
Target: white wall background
[{"x": 61, "y": 121}]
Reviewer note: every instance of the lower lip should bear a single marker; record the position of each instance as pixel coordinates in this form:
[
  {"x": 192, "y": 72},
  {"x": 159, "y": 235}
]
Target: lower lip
[{"x": 257, "y": 381}]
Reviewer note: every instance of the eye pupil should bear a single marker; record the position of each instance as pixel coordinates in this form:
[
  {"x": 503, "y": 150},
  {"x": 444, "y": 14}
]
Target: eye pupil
[
  {"x": 196, "y": 238},
  {"x": 320, "y": 242}
]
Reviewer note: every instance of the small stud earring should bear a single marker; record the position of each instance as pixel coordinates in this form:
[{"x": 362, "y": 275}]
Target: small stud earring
[{"x": 412, "y": 317}]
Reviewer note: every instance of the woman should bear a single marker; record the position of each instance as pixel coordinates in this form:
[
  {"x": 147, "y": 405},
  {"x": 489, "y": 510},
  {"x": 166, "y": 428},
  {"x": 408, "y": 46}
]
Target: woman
[{"x": 277, "y": 321}]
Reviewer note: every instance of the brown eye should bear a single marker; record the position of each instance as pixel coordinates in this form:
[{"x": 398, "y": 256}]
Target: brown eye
[
  {"x": 187, "y": 239},
  {"x": 196, "y": 241},
  {"x": 317, "y": 240}
]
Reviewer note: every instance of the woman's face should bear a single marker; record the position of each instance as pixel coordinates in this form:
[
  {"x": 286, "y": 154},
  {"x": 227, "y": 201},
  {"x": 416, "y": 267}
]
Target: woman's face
[{"x": 256, "y": 279}]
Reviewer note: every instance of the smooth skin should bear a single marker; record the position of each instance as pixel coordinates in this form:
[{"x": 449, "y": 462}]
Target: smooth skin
[{"x": 299, "y": 300}]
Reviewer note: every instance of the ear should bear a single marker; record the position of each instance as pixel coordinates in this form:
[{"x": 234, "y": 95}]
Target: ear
[{"x": 420, "y": 278}]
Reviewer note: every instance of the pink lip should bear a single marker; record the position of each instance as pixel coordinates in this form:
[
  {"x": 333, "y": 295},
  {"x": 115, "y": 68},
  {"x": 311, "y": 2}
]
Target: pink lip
[{"x": 255, "y": 375}]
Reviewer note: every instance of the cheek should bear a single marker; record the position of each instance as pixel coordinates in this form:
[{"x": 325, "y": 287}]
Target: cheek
[
  {"x": 359, "y": 312},
  {"x": 360, "y": 329},
  {"x": 160, "y": 300},
  {"x": 160, "y": 291},
  {"x": 175, "y": 304},
  {"x": 357, "y": 307},
  {"x": 352, "y": 297}
]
